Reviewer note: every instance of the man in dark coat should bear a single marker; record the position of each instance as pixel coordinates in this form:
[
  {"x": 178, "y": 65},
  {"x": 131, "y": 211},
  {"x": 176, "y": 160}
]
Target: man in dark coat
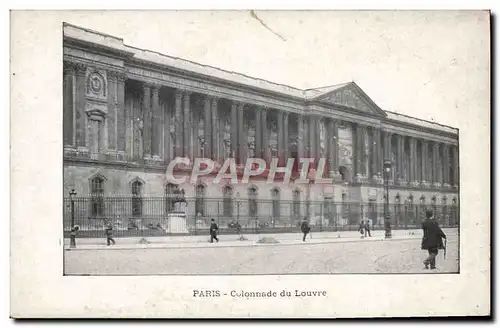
[
  {"x": 109, "y": 234},
  {"x": 432, "y": 240},
  {"x": 304, "y": 226},
  {"x": 367, "y": 228},
  {"x": 213, "y": 231}
]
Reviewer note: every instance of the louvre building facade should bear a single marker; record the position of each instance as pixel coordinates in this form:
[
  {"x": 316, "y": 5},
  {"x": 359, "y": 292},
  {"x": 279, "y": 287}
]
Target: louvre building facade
[{"x": 128, "y": 112}]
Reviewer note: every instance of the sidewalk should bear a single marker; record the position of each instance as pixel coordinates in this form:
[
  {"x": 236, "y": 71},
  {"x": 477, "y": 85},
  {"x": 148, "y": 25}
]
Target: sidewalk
[{"x": 233, "y": 240}]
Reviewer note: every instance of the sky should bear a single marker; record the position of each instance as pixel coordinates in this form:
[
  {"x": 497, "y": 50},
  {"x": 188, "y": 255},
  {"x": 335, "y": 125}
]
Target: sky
[
  {"x": 433, "y": 65},
  {"x": 425, "y": 64}
]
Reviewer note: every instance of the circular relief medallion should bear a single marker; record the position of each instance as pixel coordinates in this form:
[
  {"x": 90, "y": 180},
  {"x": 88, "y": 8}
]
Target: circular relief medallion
[{"x": 95, "y": 84}]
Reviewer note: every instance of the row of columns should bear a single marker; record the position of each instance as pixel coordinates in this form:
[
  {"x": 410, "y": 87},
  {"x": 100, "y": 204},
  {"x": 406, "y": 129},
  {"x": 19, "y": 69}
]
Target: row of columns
[
  {"x": 432, "y": 169},
  {"x": 427, "y": 167},
  {"x": 424, "y": 167}
]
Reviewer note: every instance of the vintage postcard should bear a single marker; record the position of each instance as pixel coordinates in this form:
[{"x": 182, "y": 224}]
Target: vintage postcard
[{"x": 183, "y": 164}]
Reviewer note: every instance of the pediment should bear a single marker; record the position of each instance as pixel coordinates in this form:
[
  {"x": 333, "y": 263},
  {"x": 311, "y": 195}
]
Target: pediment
[{"x": 350, "y": 95}]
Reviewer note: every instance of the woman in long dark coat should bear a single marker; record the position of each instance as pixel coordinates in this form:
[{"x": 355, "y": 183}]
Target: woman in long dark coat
[{"x": 432, "y": 240}]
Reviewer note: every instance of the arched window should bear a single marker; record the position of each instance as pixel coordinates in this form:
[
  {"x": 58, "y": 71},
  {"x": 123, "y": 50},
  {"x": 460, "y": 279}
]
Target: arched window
[
  {"x": 296, "y": 204},
  {"x": 421, "y": 208},
  {"x": 137, "y": 198},
  {"x": 275, "y": 196},
  {"x": 200, "y": 200},
  {"x": 252, "y": 202},
  {"x": 327, "y": 211},
  {"x": 434, "y": 205},
  {"x": 409, "y": 212},
  {"x": 97, "y": 194},
  {"x": 169, "y": 197},
  {"x": 227, "y": 202},
  {"x": 346, "y": 218}
]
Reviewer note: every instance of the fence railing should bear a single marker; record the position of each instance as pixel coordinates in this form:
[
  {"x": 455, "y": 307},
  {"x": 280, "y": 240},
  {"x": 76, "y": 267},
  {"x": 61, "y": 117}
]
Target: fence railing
[{"x": 149, "y": 216}]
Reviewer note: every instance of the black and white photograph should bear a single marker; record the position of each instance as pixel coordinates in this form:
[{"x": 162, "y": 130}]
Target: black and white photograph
[
  {"x": 254, "y": 144},
  {"x": 162, "y": 155}
]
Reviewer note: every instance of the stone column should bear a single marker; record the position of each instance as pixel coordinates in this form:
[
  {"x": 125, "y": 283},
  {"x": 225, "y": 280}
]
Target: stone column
[
  {"x": 243, "y": 141},
  {"x": 81, "y": 70},
  {"x": 258, "y": 133},
  {"x": 300, "y": 135},
  {"x": 234, "y": 129},
  {"x": 424, "y": 160},
  {"x": 68, "y": 108},
  {"x": 215, "y": 129},
  {"x": 333, "y": 149},
  {"x": 375, "y": 153},
  {"x": 446, "y": 165},
  {"x": 400, "y": 160},
  {"x": 387, "y": 147},
  {"x": 380, "y": 150},
  {"x": 265, "y": 135},
  {"x": 358, "y": 153},
  {"x": 123, "y": 116},
  {"x": 156, "y": 141},
  {"x": 456, "y": 167},
  {"x": 281, "y": 153},
  {"x": 147, "y": 113},
  {"x": 413, "y": 179},
  {"x": 207, "y": 128},
  {"x": 167, "y": 140},
  {"x": 313, "y": 132},
  {"x": 179, "y": 151},
  {"x": 187, "y": 124},
  {"x": 438, "y": 174},
  {"x": 286, "y": 153}
]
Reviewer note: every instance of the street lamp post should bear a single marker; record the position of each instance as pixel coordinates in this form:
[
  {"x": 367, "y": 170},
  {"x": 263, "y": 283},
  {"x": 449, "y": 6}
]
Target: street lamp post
[
  {"x": 238, "y": 204},
  {"x": 72, "y": 193},
  {"x": 387, "y": 214}
]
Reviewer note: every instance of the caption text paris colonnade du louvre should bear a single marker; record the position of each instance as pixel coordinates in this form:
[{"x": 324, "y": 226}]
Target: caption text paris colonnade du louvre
[{"x": 129, "y": 112}]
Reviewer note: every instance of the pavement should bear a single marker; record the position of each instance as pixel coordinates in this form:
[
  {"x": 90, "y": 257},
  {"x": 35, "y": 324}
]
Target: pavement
[
  {"x": 251, "y": 240},
  {"x": 326, "y": 255}
]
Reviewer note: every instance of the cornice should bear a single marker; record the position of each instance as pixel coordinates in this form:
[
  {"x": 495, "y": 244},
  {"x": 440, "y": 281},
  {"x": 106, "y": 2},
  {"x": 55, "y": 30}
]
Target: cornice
[
  {"x": 96, "y": 48},
  {"x": 214, "y": 80},
  {"x": 418, "y": 128}
]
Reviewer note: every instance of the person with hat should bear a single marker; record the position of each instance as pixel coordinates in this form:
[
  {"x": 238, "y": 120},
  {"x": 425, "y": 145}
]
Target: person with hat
[
  {"x": 304, "y": 226},
  {"x": 213, "y": 231},
  {"x": 432, "y": 240}
]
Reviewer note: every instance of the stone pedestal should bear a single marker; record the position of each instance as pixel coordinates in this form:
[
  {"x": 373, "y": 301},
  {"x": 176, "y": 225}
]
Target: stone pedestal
[
  {"x": 180, "y": 207},
  {"x": 177, "y": 224},
  {"x": 177, "y": 221}
]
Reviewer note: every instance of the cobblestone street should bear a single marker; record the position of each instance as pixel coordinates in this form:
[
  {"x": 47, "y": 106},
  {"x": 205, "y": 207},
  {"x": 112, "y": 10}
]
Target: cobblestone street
[{"x": 378, "y": 256}]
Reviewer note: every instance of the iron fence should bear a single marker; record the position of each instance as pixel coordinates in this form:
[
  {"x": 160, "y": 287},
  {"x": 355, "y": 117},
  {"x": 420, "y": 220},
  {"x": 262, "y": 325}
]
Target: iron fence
[{"x": 150, "y": 216}]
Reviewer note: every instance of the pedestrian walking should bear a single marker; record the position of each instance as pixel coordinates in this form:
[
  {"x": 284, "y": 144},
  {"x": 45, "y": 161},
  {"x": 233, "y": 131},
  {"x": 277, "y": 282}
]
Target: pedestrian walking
[
  {"x": 74, "y": 231},
  {"x": 367, "y": 228},
  {"x": 213, "y": 231},
  {"x": 432, "y": 240},
  {"x": 361, "y": 229},
  {"x": 304, "y": 226},
  {"x": 109, "y": 234}
]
